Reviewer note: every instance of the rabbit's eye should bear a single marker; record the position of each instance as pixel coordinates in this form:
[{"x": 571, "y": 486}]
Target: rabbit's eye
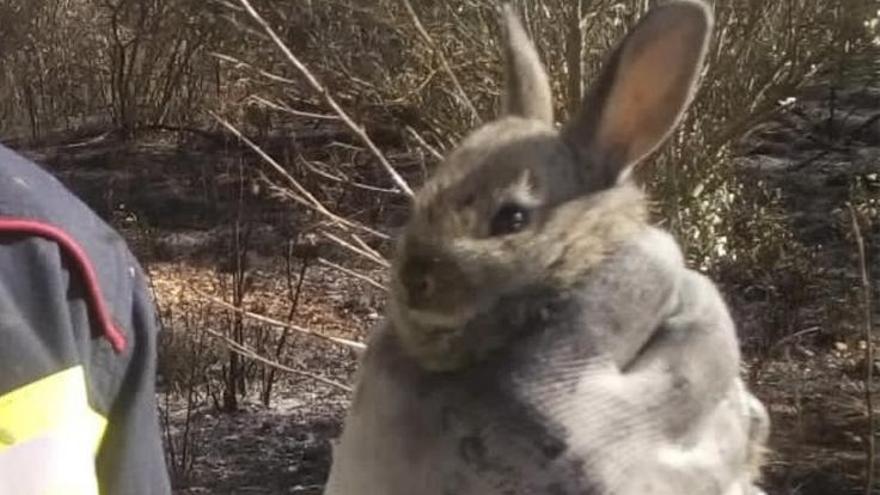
[{"x": 508, "y": 220}]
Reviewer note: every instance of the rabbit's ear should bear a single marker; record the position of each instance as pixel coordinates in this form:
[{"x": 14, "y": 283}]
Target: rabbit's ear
[
  {"x": 639, "y": 97},
  {"x": 527, "y": 92}
]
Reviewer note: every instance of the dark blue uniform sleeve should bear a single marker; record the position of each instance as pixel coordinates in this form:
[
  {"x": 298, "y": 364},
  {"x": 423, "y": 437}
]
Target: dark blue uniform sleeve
[{"x": 73, "y": 296}]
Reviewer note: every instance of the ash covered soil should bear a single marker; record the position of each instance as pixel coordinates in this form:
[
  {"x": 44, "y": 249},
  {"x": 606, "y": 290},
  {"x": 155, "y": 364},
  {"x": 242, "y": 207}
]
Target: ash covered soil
[{"x": 276, "y": 449}]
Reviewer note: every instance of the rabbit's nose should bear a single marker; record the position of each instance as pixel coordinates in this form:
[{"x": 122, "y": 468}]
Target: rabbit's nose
[{"x": 419, "y": 278}]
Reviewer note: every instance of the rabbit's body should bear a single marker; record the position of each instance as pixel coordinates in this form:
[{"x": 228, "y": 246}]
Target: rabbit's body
[
  {"x": 515, "y": 423},
  {"x": 541, "y": 336}
]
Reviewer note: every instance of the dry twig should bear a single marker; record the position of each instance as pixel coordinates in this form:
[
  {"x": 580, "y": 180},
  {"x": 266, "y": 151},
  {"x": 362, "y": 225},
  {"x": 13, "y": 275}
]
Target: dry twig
[
  {"x": 352, "y": 273},
  {"x": 368, "y": 254},
  {"x": 869, "y": 351},
  {"x": 321, "y": 90},
  {"x": 357, "y": 346},
  {"x": 292, "y": 111},
  {"x": 462, "y": 94},
  {"x": 419, "y": 139},
  {"x": 242, "y": 64},
  {"x": 302, "y": 195},
  {"x": 310, "y": 164},
  {"x": 247, "y": 352}
]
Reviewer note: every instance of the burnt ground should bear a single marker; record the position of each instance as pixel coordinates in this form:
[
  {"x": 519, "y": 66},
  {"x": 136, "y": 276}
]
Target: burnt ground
[
  {"x": 283, "y": 448},
  {"x": 817, "y": 160},
  {"x": 177, "y": 204}
]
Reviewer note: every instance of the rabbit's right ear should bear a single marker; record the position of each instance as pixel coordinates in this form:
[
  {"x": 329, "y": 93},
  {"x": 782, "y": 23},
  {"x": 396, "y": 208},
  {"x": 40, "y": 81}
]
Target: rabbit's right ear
[
  {"x": 527, "y": 93},
  {"x": 639, "y": 98}
]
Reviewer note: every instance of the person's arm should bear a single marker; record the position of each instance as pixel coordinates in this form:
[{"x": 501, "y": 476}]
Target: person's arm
[
  {"x": 77, "y": 348},
  {"x": 131, "y": 459}
]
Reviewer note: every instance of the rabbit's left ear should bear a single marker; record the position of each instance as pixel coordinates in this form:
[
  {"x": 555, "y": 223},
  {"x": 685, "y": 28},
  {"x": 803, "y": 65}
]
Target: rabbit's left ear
[
  {"x": 527, "y": 88},
  {"x": 639, "y": 97}
]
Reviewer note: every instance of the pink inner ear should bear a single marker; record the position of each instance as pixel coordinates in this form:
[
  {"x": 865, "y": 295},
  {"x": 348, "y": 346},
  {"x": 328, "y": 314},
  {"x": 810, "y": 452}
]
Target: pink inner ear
[{"x": 651, "y": 87}]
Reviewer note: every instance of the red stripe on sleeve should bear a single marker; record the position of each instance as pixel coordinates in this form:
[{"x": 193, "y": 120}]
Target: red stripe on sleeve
[{"x": 69, "y": 246}]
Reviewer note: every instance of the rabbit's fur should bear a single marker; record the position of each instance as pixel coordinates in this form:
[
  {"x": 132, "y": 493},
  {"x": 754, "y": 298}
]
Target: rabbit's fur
[
  {"x": 573, "y": 184},
  {"x": 536, "y": 340},
  {"x": 534, "y": 419}
]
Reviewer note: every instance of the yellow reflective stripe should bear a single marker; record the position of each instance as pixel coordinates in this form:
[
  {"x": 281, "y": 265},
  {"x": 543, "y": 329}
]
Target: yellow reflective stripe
[{"x": 56, "y": 408}]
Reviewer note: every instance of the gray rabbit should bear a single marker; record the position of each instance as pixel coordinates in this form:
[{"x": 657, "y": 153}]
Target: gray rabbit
[{"x": 542, "y": 337}]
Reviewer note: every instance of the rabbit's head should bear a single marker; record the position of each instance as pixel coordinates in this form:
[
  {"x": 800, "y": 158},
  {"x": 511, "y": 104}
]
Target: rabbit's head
[{"x": 520, "y": 204}]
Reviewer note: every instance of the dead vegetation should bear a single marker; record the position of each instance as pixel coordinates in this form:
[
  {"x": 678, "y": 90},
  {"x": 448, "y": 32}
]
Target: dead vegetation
[{"x": 266, "y": 163}]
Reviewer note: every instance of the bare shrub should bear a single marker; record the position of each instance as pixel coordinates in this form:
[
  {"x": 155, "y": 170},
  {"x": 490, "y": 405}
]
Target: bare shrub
[{"x": 399, "y": 65}]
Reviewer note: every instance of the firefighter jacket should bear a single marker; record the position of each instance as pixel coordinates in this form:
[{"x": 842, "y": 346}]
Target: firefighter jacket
[{"x": 78, "y": 331}]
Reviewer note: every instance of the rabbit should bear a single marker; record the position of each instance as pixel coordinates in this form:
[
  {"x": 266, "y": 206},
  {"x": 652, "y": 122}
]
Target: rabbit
[
  {"x": 519, "y": 203},
  {"x": 541, "y": 335}
]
